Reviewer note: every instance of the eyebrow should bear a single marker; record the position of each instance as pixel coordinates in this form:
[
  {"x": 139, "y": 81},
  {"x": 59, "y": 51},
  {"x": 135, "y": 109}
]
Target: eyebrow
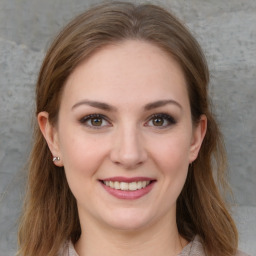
[
  {"x": 107, "y": 107},
  {"x": 161, "y": 103},
  {"x": 95, "y": 104}
]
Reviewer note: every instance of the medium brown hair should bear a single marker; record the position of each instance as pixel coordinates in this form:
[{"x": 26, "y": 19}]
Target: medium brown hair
[{"x": 50, "y": 213}]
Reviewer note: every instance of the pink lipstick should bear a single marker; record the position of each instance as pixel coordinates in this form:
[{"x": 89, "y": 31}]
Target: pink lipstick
[{"x": 128, "y": 188}]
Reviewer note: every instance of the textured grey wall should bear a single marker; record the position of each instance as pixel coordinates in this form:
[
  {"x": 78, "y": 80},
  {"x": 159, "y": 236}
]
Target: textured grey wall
[{"x": 227, "y": 32}]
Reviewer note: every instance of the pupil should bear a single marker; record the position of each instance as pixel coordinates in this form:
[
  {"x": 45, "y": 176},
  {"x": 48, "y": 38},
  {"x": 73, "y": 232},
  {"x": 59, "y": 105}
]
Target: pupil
[
  {"x": 158, "y": 121},
  {"x": 96, "y": 121}
]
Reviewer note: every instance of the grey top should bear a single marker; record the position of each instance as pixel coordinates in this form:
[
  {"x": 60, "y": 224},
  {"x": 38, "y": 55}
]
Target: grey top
[{"x": 194, "y": 248}]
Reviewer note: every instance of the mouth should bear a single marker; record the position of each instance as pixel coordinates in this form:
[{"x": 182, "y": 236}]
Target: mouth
[{"x": 127, "y": 186}]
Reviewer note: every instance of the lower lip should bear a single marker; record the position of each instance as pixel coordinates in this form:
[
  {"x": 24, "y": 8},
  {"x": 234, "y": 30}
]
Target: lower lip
[{"x": 128, "y": 194}]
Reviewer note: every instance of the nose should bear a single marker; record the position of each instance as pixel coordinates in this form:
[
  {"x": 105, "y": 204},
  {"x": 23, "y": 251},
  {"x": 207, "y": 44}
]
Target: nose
[{"x": 128, "y": 149}]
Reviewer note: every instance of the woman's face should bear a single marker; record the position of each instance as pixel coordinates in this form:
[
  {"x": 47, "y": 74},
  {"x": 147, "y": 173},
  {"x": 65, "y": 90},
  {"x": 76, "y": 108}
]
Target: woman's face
[{"x": 125, "y": 136}]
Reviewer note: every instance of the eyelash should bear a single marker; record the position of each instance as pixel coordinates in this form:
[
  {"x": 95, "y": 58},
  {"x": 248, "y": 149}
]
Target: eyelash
[
  {"x": 90, "y": 117},
  {"x": 165, "y": 117}
]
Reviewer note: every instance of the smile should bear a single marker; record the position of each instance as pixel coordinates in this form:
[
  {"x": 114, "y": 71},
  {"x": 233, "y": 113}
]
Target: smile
[{"x": 127, "y": 186}]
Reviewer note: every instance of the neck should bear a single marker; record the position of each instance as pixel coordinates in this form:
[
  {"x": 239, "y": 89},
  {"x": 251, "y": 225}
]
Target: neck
[{"x": 157, "y": 239}]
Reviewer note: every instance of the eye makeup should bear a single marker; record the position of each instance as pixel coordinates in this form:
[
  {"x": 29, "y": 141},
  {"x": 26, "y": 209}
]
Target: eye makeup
[
  {"x": 95, "y": 121},
  {"x": 160, "y": 120}
]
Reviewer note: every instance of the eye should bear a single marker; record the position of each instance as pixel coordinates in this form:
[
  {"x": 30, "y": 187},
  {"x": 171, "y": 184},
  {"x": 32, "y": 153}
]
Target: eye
[
  {"x": 95, "y": 121},
  {"x": 160, "y": 120}
]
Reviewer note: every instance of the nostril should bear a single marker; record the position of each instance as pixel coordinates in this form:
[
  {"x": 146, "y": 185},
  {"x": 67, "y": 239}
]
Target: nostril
[
  {"x": 127, "y": 162},
  {"x": 128, "y": 150}
]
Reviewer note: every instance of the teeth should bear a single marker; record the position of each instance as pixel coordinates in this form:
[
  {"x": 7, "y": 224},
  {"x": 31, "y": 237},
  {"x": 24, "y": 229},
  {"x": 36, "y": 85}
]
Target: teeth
[
  {"x": 111, "y": 184},
  {"x": 132, "y": 186},
  {"x": 124, "y": 186},
  {"x": 117, "y": 185}
]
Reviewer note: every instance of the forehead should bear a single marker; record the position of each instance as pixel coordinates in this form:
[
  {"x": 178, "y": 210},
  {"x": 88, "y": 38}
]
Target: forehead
[{"x": 128, "y": 69}]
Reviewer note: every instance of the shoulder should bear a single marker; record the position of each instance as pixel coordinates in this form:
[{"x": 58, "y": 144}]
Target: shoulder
[
  {"x": 195, "y": 248},
  {"x": 239, "y": 253},
  {"x": 67, "y": 249}
]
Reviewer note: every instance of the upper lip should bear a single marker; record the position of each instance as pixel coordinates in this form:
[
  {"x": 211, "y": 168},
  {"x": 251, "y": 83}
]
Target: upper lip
[{"x": 128, "y": 180}]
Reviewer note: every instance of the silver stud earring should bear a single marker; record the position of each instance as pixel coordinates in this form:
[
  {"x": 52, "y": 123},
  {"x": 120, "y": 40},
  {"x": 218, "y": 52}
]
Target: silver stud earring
[{"x": 56, "y": 158}]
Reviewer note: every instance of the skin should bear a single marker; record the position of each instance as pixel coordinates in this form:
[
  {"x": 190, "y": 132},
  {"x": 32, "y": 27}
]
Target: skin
[{"x": 128, "y": 143}]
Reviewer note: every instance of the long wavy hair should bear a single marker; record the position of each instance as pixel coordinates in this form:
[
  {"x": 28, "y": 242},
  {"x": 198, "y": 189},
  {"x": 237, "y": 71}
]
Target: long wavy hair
[{"x": 50, "y": 213}]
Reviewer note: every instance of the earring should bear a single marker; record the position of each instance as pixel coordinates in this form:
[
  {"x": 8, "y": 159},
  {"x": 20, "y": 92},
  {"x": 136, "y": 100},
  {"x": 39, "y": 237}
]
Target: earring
[{"x": 56, "y": 158}]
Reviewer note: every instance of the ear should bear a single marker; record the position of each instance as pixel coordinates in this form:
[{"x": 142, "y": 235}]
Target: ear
[
  {"x": 199, "y": 132},
  {"x": 51, "y": 135}
]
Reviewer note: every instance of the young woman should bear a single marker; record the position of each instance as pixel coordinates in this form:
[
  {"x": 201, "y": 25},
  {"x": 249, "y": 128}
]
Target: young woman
[{"x": 126, "y": 147}]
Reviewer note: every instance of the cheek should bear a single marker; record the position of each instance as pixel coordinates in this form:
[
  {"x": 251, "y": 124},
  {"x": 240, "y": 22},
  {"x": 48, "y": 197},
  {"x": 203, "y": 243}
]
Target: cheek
[
  {"x": 172, "y": 159},
  {"x": 172, "y": 152},
  {"x": 81, "y": 155},
  {"x": 174, "y": 167},
  {"x": 81, "y": 161}
]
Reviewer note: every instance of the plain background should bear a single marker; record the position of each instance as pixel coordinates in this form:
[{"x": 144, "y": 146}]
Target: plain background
[{"x": 226, "y": 30}]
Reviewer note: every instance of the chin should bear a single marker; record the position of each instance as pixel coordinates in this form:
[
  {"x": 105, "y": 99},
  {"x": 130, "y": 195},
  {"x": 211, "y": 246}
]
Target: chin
[{"x": 128, "y": 220}]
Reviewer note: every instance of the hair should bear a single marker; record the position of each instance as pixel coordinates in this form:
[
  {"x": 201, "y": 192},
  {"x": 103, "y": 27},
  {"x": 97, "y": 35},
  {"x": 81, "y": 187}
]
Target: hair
[{"x": 50, "y": 211}]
